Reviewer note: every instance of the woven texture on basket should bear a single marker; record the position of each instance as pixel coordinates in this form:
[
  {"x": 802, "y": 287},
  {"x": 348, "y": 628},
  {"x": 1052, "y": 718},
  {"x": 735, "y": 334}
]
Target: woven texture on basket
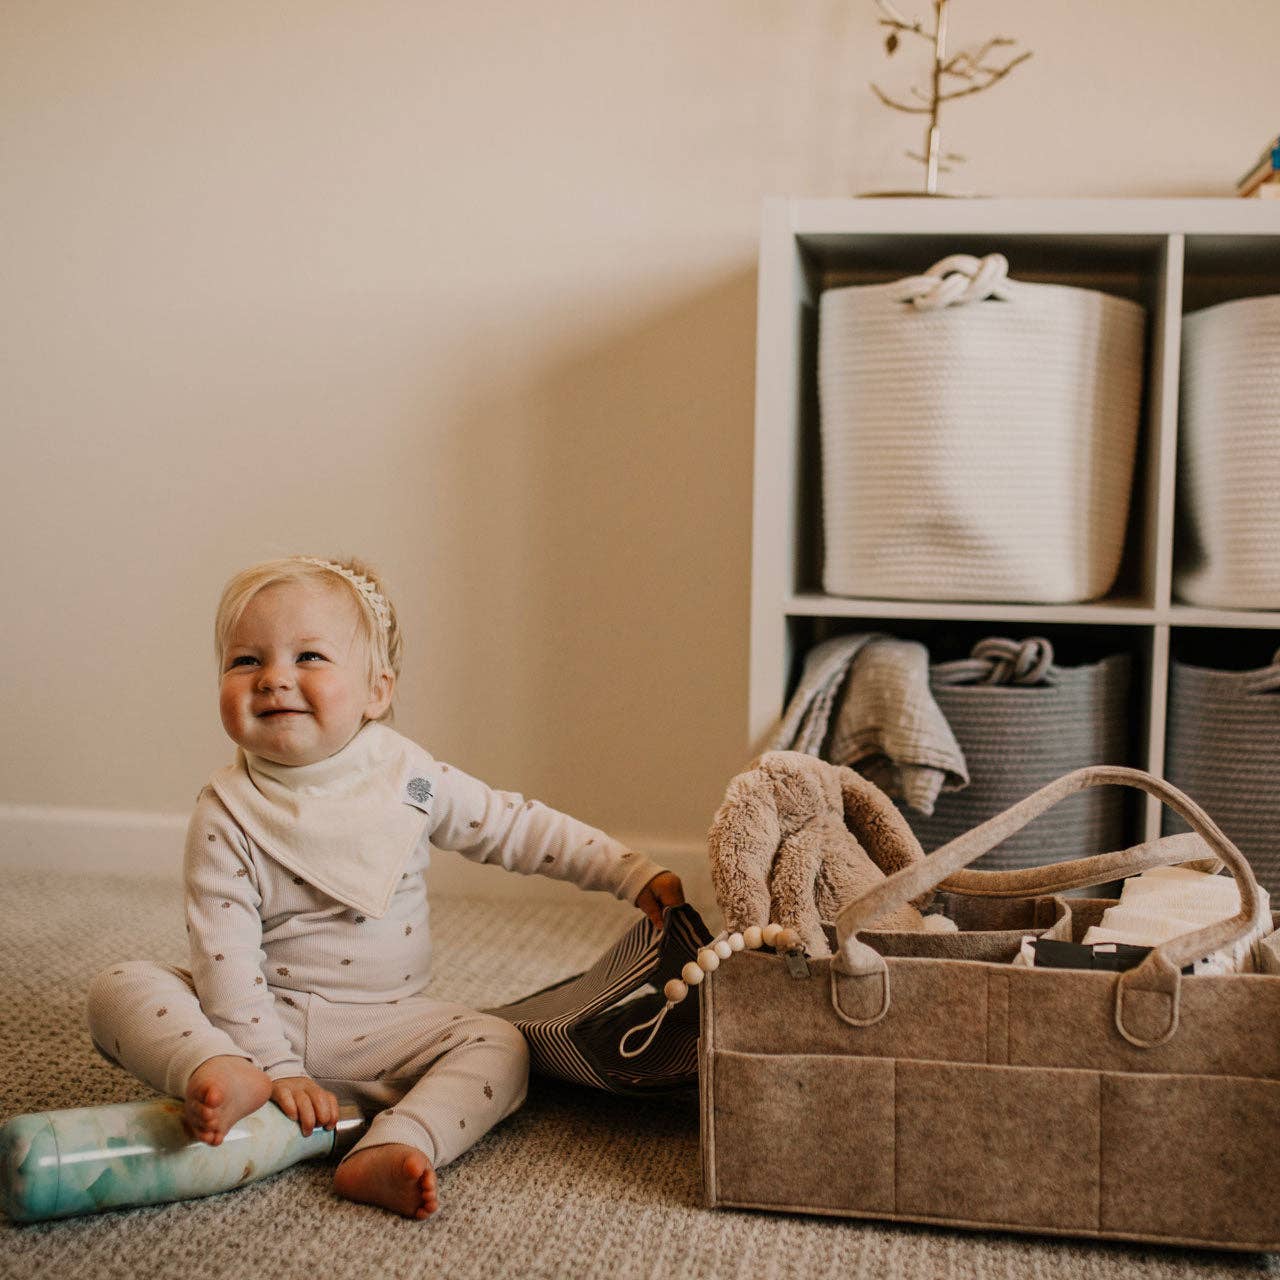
[
  {"x": 1023, "y": 721},
  {"x": 1228, "y": 552},
  {"x": 979, "y": 451},
  {"x": 1224, "y": 751}
]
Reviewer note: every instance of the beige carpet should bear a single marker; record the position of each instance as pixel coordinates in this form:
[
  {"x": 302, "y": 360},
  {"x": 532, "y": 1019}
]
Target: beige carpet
[{"x": 576, "y": 1184}]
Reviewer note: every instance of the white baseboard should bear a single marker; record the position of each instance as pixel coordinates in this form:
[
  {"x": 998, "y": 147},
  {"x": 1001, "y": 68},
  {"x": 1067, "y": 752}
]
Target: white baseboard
[{"x": 54, "y": 838}]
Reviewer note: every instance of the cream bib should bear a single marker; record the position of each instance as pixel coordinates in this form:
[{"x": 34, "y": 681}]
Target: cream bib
[{"x": 347, "y": 824}]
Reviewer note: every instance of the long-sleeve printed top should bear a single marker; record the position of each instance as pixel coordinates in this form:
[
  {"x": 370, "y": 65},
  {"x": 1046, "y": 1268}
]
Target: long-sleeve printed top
[{"x": 259, "y": 931}]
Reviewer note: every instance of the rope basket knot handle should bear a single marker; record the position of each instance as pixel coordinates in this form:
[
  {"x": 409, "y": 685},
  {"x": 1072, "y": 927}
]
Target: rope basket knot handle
[
  {"x": 997, "y": 660},
  {"x": 957, "y": 279}
]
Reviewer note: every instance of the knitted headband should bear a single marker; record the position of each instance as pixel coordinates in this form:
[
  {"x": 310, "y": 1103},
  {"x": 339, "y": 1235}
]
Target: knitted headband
[{"x": 367, "y": 591}]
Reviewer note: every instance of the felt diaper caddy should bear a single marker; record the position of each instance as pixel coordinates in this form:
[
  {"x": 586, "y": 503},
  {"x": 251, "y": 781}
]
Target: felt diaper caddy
[{"x": 923, "y": 1077}]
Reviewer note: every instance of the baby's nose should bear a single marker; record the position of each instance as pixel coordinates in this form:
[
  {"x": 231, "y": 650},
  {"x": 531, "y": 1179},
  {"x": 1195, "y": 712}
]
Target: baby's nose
[{"x": 274, "y": 678}]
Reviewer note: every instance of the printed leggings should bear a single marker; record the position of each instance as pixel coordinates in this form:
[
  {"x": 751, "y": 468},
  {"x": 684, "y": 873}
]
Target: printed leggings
[{"x": 438, "y": 1075}]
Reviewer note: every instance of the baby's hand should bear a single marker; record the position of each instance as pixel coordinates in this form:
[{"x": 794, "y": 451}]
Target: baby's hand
[
  {"x": 664, "y": 890},
  {"x": 301, "y": 1099}
]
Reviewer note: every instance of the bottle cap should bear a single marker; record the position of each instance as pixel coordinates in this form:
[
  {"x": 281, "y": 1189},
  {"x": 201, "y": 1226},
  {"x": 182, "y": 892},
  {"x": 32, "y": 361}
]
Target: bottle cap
[{"x": 349, "y": 1129}]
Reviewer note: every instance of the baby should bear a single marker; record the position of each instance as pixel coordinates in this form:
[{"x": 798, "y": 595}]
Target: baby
[{"x": 307, "y": 906}]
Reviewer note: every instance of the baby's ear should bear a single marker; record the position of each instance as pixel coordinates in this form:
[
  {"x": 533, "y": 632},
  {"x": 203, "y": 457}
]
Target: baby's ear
[{"x": 384, "y": 685}]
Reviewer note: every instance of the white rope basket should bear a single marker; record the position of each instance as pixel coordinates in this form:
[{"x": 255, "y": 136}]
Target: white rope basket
[
  {"x": 978, "y": 435},
  {"x": 1228, "y": 550}
]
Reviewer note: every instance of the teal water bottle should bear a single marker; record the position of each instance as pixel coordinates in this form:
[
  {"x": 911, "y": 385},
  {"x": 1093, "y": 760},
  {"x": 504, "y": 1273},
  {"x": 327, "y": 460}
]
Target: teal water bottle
[{"x": 57, "y": 1164}]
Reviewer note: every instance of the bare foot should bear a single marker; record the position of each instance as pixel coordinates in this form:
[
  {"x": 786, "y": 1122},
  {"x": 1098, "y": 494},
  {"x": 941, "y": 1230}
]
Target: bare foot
[
  {"x": 221, "y": 1091},
  {"x": 396, "y": 1176}
]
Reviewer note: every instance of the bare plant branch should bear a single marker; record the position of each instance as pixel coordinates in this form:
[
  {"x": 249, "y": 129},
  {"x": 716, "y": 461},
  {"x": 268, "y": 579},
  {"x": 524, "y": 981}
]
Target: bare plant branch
[
  {"x": 998, "y": 74},
  {"x": 942, "y": 166},
  {"x": 895, "y": 20},
  {"x": 898, "y": 106},
  {"x": 969, "y": 60}
]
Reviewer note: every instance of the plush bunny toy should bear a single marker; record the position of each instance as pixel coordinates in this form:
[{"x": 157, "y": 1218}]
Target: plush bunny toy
[{"x": 797, "y": 838}]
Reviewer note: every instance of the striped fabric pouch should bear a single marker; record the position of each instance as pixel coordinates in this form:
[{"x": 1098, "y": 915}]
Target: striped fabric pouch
[{"x": 576, "y": 1028}]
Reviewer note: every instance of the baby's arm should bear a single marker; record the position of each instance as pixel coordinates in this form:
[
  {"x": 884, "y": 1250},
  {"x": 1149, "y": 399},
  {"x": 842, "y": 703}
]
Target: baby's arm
[
  {"x": 528, "y": 837},
  {"x": 225, "y": 931}
]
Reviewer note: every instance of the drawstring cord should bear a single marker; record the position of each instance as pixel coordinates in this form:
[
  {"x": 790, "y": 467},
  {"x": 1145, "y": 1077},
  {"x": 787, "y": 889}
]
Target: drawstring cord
[{"x": 721, "y": 947}]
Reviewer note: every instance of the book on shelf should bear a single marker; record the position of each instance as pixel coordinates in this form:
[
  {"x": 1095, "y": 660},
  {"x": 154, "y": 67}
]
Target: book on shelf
[
  {"x": 1269, "y": 190},
  {"x": 1266, "y": 167}
]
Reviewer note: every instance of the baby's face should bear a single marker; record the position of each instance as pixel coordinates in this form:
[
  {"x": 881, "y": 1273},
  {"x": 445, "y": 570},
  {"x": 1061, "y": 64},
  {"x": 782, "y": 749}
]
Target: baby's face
[{"x": 295, "y": 675}]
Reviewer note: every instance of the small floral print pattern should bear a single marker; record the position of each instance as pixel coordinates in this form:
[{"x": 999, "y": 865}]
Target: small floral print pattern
[
  {"x": 255, "y": 1020},
  {"x": 462, "y": 1124},
  {"x": 289, "y": 1001},
  {"x": 488, "y": 1090},
  {"x": 408, "y": 929},
  {"x": 359, "y": 1038},
  {"x": 219, "y": 956},
  {"x": 226, "y": 905},
  {"x": 282, "y": 971},
  {"x": 211, "y": 837},
  {"x": 360, "y": 919},
  {"x": 185, "y": 1034},
  {"x": 241, "y": 872},
  {"x": 259, "y": 980},
  {"x": 474, "y": 824},
  {"x": 347, "y": 961},
  {"x": 298, "y": 880},
  {"x": 549, "y": 858},
  {"x": 161, "y": 1012}
]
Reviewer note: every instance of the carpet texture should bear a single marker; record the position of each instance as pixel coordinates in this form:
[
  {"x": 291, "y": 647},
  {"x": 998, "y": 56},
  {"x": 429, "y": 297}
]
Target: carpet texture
[{"x": 575, "y": 1184}]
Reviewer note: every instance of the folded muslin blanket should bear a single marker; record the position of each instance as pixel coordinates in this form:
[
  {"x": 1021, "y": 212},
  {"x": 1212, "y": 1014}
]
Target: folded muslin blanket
[
  {"x": 1167, "y": 901},
  {"x": 886, "y": 723}
]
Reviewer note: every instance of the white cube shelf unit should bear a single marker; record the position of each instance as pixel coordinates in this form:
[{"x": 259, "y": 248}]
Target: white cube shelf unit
[{"x": 1173, "y": 256}]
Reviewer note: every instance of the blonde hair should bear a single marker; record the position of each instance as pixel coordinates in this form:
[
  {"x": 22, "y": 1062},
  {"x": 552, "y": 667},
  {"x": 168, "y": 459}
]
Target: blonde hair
[{"x": 377, "y": 615}]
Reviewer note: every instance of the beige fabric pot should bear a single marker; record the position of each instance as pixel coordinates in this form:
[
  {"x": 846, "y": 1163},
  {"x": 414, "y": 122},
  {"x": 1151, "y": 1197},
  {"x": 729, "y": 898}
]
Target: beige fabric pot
[{"x": 1136, "y": 1106}]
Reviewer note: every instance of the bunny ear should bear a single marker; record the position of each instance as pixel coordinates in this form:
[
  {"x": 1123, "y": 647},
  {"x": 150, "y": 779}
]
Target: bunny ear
[
  {"x": 741, "y": 846},
  {"x": 879, "y": 826}
]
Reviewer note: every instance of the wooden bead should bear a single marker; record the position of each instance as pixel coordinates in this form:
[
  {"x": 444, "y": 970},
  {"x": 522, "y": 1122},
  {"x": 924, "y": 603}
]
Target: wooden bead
[
  {"x": 785, "y": 940},
  {"x": 708, "y": 961},
  {"x": 722, "y": 949},
  {"x": 770, "y": 933},
  {"x": 736, "y": 942},
  {"x": 675, "y": 990},
  {"x": 752, "y": 937},
  {"x": 692, "y": 974}
]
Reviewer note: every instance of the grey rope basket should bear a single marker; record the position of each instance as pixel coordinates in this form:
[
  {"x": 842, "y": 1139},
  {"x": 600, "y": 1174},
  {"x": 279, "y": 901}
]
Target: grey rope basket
[
  {"x": 1023, "y": 721},
  {"x": 1224, "y": 750}
]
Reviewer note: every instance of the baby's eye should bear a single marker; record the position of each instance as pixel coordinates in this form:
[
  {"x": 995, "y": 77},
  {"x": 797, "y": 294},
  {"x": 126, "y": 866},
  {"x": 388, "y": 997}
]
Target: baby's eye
[
  {"x": 311, "y": 656},
  {"x": 244, "y": 660}
]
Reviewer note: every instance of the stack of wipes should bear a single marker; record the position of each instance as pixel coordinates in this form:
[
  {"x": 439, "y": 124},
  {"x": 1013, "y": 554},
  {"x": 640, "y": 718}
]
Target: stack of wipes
[{"x": 1164, "y": 902}]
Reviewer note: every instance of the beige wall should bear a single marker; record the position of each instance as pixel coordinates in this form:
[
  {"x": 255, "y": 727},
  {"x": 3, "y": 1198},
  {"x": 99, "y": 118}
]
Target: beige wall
[{"x": 467, "y": 289}]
